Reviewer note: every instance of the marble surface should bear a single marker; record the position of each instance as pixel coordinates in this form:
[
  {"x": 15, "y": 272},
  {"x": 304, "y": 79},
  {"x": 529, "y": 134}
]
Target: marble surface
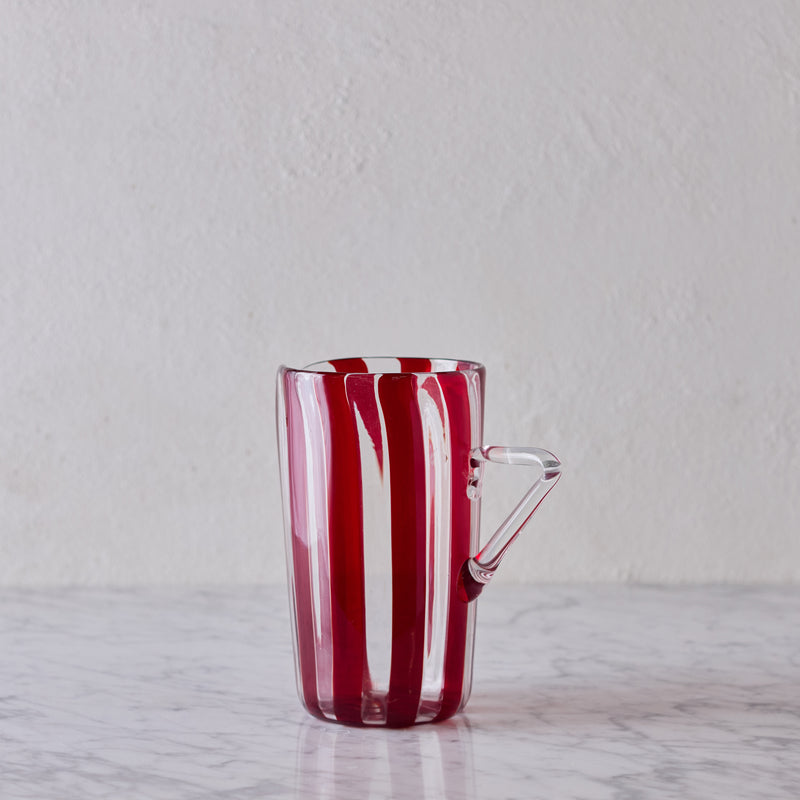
[{"x": 579, "y": 692}]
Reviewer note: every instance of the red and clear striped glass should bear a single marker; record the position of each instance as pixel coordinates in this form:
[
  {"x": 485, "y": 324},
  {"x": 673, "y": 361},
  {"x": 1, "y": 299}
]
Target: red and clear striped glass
[{"x": 381, "y": 464}]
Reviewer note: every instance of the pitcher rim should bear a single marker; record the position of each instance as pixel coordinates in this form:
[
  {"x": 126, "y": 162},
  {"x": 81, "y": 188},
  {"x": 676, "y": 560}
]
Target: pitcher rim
[{"x": 453, "y": 365}]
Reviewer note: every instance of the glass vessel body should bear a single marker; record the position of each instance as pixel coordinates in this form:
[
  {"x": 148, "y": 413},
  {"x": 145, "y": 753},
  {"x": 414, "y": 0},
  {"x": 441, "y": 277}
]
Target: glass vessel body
[{"x": 382, "y": 510}]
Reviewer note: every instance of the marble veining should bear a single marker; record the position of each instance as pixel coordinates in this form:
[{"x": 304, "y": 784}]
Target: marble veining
[{"x": 586, "y": 692}]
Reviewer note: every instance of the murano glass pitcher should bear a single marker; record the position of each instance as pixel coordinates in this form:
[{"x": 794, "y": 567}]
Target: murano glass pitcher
[{"x": 381, "y": 468}]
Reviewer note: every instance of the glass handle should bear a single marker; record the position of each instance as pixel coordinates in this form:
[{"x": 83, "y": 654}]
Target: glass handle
[{"x": 478, "y": 570}]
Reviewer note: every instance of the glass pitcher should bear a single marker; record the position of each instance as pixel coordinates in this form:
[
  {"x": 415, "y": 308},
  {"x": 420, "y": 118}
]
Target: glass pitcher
[{"x": 381, "y": 466}]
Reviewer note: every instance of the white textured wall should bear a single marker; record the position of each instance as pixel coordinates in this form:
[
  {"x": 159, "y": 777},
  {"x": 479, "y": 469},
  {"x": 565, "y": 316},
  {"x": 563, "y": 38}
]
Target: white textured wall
[{"x": 600, "y": 200}]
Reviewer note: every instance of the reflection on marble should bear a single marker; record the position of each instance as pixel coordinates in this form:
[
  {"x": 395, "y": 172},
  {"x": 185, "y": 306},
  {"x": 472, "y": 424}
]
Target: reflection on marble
[
  {"x": 579, "y": 692},
  {"x": 430, "y": 761}
]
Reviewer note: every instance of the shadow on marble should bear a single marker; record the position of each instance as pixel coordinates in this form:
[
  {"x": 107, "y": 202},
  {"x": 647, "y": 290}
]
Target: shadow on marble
[{"x": 713, "y": 700}]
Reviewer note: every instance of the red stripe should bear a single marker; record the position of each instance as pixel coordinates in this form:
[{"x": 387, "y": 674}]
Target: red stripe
[
  {"x": 361, "y": 392},
  {"x": 349, "y": 365},
  {"x": 456, "y": 397},
  {"x": 415, "y": 364},
  {"x": 348, "y": 623},
  {"x": 304, "y": 603},
  {"x": 406, "y": 453},
  {"x": 431, "y": 385}
]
